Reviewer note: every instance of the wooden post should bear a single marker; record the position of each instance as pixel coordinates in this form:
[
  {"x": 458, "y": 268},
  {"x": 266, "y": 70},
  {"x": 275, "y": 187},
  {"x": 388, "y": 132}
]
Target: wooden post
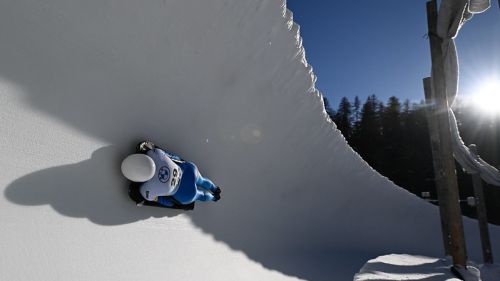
[
  {"x": 449, "y": 197},
  {"x": 436, "y": 160},
  {"x": 481, "y": 213}
]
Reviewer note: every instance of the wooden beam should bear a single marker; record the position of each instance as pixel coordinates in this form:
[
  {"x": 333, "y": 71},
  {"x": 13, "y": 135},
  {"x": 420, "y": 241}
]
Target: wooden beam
[
  {"x": 436, "y": 160},
  {"x": 481, "y": 213},
  {"x": 449, "y": 198}
]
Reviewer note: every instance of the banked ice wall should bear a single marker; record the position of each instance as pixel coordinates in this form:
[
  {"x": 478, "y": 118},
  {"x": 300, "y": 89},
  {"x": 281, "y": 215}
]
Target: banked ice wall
[{"x": 224, "y": 84}]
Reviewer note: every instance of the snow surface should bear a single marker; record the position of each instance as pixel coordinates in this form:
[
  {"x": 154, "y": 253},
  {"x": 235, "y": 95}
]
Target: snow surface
[
  {"x": 407, "y": 267},
  {"x": 222, "y": 83}
]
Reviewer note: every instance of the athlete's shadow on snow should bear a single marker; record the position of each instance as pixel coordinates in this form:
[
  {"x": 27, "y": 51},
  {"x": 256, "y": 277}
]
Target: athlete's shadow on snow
[{"x": 92, "y": 189}]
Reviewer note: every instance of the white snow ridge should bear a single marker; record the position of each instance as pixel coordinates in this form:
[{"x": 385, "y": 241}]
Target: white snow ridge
[{"x": 223, "y": 84}]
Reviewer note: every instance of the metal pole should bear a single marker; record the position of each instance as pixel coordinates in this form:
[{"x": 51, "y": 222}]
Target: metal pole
[
  {"x": 481, "y": 213},
  {"x": 449, "y": 197}
]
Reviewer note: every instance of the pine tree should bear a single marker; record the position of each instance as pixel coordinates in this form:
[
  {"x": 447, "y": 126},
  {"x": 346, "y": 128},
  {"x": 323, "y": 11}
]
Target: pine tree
[
  {"x": 391, "y": 138},
  {"x": 329, "y": 111},
  {"x": 356, "y": 110},
  {"x": 406, "y": 107},
  {"x": 391, "y": 119},
  {"x": 394, "y": 139},
  {"x": 343, "y": 117},
  {"x": 368, "y": 136},
  {"x": 356, "y": 118}
]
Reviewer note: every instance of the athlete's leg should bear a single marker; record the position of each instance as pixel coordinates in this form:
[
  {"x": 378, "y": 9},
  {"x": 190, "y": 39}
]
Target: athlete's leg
[
  {"x": 204, "y": 183},
  {"x": 203, "y": 195}
]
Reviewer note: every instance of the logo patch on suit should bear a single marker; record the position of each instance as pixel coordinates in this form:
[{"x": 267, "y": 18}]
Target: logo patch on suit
[{"x": 164, "y": 174}]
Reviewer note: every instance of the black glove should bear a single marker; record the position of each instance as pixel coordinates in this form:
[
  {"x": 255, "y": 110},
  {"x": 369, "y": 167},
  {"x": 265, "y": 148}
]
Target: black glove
[
  {"x": 217, "y": 191},
  {"x": 216, "y": 197},
  {"x": 145, "y": 146}
]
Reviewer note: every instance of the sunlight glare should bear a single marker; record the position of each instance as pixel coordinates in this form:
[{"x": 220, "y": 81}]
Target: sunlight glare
[{"x": 487, "y": 98}]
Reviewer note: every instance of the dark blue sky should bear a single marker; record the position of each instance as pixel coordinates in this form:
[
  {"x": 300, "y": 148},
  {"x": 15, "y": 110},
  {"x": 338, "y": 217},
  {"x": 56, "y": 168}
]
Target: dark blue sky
[{"x": 372, "y": 47}]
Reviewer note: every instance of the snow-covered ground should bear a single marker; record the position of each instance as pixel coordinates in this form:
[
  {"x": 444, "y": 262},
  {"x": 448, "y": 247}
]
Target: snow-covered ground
[
  {"x": 408, "y": 267},
  {"x": 221, "y": 83}
]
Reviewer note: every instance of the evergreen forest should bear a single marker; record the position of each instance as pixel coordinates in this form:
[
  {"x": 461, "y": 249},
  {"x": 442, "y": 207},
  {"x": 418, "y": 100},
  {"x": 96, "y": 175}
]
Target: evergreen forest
[{"x": 393, "y": 138}]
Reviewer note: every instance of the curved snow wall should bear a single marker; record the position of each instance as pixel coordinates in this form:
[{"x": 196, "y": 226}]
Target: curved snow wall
[{"x": 224, "y": 84}]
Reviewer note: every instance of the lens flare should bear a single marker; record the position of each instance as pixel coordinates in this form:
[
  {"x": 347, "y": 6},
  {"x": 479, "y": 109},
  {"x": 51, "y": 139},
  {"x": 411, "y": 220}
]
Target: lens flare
[{"x": 487, "y": 98}]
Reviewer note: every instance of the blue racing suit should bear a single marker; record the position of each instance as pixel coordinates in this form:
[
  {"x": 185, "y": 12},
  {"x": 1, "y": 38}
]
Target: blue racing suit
[{"x": 193, "y": 186}]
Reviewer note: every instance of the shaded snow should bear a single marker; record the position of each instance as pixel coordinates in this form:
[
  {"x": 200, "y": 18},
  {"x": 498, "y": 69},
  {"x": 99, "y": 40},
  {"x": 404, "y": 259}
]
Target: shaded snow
[{"x": 221, "y": 83}]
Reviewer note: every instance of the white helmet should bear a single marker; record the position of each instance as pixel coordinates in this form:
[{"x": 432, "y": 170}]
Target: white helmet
[{"x": 138, "y": 167}]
